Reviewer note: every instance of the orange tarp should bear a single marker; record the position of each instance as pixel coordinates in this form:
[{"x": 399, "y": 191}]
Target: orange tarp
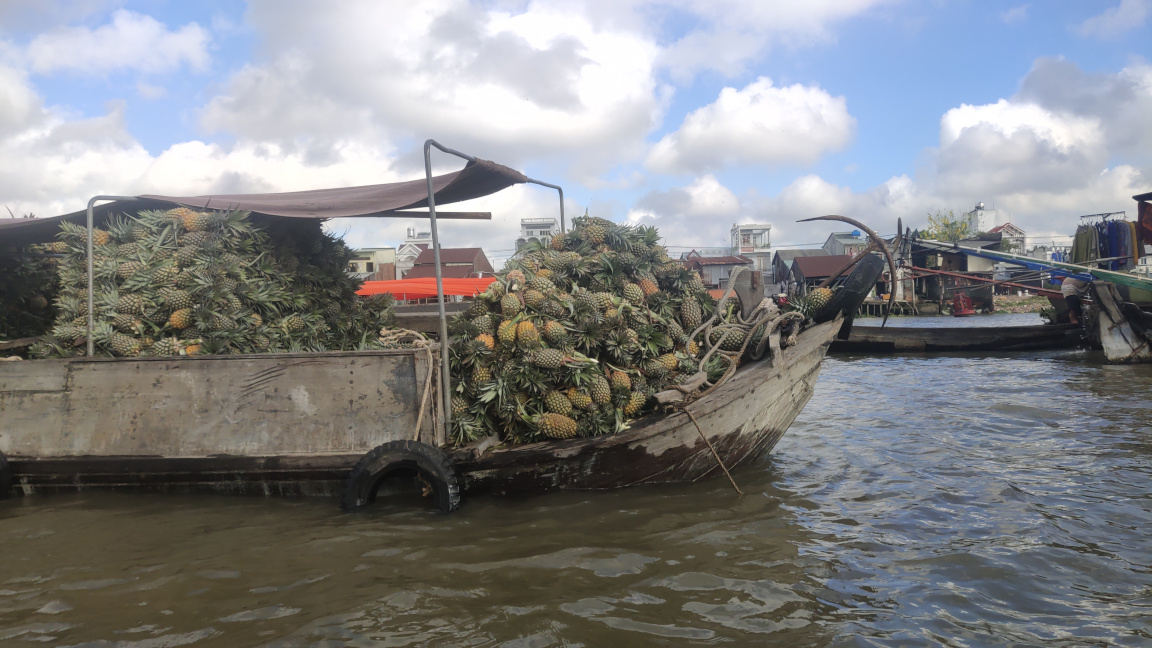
[{"x": 425, "y": 287}]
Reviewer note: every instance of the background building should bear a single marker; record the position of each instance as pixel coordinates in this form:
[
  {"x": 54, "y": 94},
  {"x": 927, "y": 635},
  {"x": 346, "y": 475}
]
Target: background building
[
  {"x": 540, "y": 230},
  {"x": 980, "y": 219},
  {"x": 751, "y": 240},
  {"x": 455, "y": 263},
  {"x": 851, "y": 243},
  {"x": 414, "y": 244},
  {"x": 782, "y": 261},
  {"x": 373, "y": 264},
  {"x": 714, "y": 270}
]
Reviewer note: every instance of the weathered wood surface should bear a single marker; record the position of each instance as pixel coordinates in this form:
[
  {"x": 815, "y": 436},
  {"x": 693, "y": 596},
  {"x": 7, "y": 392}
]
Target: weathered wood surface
[
  {"x": 1122, "y": 344},
  {"x": 743, "y": 419},
  {"x": 890, "y": 339},
  {"x": 244, "y": 405}
]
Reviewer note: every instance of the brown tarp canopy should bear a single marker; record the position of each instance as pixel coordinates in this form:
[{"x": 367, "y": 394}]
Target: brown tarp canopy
[{"x": 477, "y": 179}]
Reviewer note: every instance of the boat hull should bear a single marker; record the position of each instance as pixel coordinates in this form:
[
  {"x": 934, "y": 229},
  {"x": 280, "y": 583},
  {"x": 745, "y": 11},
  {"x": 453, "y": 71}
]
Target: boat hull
[
  {"x": 743, "y": 419},
  {"x": 873, "y": 339},
  {"x": 1124, "y": 331}
]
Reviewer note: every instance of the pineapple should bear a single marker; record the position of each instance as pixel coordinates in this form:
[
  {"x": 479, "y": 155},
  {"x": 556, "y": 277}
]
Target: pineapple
[
  {"x": 690, "y": 314},
  {"x": 579, "y": 399},
  {"x": 601, "y": 392},
  {"x": 556, "y": 426},
  {"x": 633, "y": 293},
  {"x": 555, "y": 332},
  {"x": 180, "y": 319},
  {"x": 507, "y": 332},
  {"x": 126, "y": 323},
  {"x": 816, "y": 300},
  {"x": 635, "y": 404},
  {"x": 547, "y": 358},
  {"x": 557, "y": 403},
  {"x": 533, "y": 298},
  {"x": 621, "y": 382},
  {"x": 167, "y": 346},
  {"x": 510, "y": 305},
  {"x": 733, "y": 341},
  {"x": 128, "y": 268},
  {"x": 130, "y": 304},
  {"x": 526, "y": 335},
  {"x": 123, "y": 345},
  {"x": 294, "y": 323}
]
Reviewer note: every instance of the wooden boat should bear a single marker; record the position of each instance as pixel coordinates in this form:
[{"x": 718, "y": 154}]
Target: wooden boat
[
  {"x": 341, "y": 423},
  {"x": 873, "y": 339},
  {"x": 743, "y": 419},
  {"x": 297, "y": 424}
]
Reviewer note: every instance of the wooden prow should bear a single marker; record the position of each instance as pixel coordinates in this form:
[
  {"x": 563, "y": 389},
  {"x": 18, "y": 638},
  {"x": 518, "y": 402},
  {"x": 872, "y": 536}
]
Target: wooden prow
[{"x": 878, "y": 242}]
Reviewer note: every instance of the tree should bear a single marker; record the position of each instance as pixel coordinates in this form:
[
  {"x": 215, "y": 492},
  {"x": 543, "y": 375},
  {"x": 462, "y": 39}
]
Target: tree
[{"x": 946, "y": 226}]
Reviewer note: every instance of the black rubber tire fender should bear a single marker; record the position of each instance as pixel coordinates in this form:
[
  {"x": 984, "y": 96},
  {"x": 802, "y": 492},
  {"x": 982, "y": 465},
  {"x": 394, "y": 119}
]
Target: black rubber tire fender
[
  {"x": 429, "y": 462},
  {"x": 5, "y": 478}
]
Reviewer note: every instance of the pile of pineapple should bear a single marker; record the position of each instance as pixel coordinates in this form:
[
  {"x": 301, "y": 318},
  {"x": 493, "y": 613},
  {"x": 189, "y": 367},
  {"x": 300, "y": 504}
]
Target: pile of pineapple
[
  {"x": 27, "y": 290},
  {"x": 573, "y": 340},
  {"x": 185, "y": 282}
]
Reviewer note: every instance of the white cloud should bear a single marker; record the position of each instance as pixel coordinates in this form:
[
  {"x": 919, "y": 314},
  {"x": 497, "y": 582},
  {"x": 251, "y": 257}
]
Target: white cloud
[
  {"x": 1015, "y": 14},
  {"x": 131, "y": 41},
  {"x": 691, "y": 215},
  {"x": 545, "y": 82},
  {"x": 1128, "y": 15},
  {"x": 20, "y": 106},
  {"x": 729, "y": 34},
  {"x": 149, "y": 91},
  {"x": 759, "y": 124}
]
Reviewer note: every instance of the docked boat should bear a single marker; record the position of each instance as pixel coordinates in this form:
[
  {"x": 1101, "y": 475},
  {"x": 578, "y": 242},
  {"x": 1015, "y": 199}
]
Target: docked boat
[{"x": 896, "y": 339}]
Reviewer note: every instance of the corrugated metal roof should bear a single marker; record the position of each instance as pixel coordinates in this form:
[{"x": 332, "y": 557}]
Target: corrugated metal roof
[
  {"x": 450, "y": 272},
  {"x": 787, "y": 255},
  {"x": 821, "y": 266},
  {"x": 449, "y": 255}
]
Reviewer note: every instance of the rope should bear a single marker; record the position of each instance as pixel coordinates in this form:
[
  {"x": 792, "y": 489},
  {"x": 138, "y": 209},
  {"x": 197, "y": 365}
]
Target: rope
[
  {"x": 713, "y": 449},
  {"x": 765, "y": 313}
]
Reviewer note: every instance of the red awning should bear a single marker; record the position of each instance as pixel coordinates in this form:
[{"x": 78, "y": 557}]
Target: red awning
[{"x": 425, "y": 288}]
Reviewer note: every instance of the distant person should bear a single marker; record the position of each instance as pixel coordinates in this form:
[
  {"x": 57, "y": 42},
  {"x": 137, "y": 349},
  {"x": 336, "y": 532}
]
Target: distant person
[{"x": 1073, "y": 290}]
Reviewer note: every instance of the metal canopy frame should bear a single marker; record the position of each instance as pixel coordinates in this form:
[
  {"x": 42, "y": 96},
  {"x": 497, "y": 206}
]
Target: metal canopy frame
[{"x": 445, "y": 375}]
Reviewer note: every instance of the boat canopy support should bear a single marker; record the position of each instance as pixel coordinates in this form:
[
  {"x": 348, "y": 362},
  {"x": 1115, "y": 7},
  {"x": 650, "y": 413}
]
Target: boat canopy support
[{"x": 445, "y": 375}]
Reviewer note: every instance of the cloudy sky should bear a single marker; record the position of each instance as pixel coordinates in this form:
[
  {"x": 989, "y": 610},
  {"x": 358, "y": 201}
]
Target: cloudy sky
[{"x": 687, "y": 115}]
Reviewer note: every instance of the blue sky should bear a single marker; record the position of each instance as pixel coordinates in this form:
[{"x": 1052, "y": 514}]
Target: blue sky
[{"x": 687, "y": 115}]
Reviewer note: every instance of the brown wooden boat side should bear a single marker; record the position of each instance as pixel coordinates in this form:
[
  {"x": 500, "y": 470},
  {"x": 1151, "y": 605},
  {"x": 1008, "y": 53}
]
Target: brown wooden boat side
[
  {"x": 1005, "y": 338},
  {"x": 744, "y": 419}
]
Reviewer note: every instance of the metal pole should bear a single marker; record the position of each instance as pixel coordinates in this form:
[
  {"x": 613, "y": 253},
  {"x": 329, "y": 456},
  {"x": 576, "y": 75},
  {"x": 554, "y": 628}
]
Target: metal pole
[
  {"x": 91, "y": 317},
  {"x": 561, "y": 190},
  {"x": 445, "y": 375}
]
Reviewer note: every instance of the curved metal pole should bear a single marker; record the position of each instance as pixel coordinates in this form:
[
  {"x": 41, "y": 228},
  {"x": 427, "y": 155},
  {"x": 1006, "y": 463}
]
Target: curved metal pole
[
  {"x": 445, "y": 376},
  {"x": 91, "y": 317},
  {"x": 879, "y": 243},
  {"x": 561, "y": 190}
]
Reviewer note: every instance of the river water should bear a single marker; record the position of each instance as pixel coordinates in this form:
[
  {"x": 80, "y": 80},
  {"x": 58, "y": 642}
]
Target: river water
[{"x": 966, "y": 500}]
